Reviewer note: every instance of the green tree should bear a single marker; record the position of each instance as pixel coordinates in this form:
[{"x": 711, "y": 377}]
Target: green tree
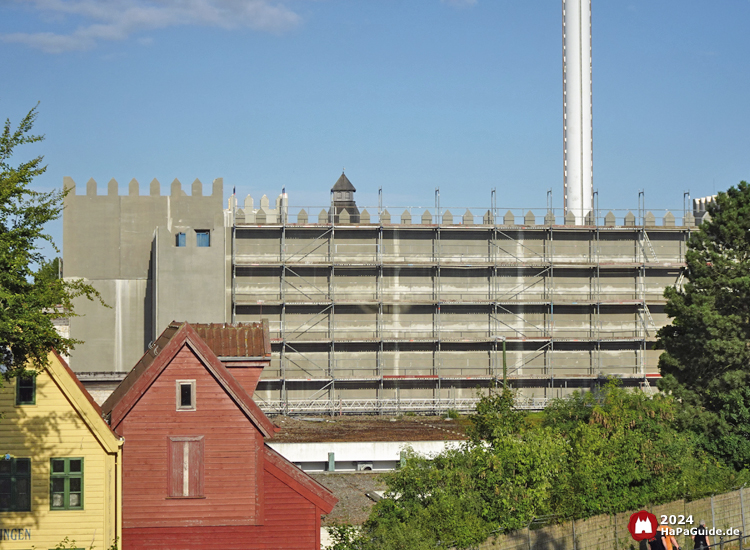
[
  {"x": 706, "y": 362},
  {"x": 495, "y": 417},
  {"x": 31, "y": 293},
  {"x": 625, "y": 450},
  {"x": 605, "y": 451},
  {"x": 344, "y": 536},
  {"x": 497, "y": 481}
]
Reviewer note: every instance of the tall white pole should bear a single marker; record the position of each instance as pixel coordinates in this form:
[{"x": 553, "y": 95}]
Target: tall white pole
[{"x": 577, "y": 117}]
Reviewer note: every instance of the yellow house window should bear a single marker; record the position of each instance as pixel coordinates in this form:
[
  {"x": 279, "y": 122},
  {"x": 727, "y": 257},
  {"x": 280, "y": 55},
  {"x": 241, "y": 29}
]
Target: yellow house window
[
  {"x": 66, "y": 484},
  {"x": 26, "y": 390},
  {"x": 15, "y": 484}
]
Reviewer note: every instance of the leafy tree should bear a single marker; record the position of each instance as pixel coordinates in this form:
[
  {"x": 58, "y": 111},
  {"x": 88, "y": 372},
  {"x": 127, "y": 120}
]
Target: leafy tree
[
  {"x": 626, "y": 450},
  {"x": 343, "y": 537},
  {"x": 495, "y": 482},
  {"x": 706, "y": 362},
  {"x": 31, "y": 294},
  {"x": 604, "y": 451},
  {"x": 495, "y": 418}
]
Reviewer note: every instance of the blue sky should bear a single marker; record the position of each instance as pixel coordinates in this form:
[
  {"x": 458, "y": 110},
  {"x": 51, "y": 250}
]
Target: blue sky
[{"x": 407, "y": 95}]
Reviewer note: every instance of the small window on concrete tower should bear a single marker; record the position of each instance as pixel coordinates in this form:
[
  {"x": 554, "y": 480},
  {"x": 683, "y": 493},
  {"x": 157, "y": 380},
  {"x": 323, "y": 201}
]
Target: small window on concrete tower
[
  {"x": 203, "y": 238},
  {"x": 180, "y": 239}
]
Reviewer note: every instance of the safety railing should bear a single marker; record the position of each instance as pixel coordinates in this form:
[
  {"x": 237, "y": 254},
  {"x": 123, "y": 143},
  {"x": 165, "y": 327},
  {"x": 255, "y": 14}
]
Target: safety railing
[{"x": 386, "y": 406}]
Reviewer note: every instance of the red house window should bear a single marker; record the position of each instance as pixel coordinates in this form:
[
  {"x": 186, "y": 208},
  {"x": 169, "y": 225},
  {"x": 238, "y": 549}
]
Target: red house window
[
  {"x": 185, "y": 395},
  {"x": 185, "y": 466}
]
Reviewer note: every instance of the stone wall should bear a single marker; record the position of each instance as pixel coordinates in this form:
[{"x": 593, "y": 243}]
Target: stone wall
[{"x": 609, "y": 532}]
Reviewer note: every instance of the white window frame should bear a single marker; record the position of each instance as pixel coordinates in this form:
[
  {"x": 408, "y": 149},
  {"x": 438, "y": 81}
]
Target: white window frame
[{"x": 178, "y": 395}]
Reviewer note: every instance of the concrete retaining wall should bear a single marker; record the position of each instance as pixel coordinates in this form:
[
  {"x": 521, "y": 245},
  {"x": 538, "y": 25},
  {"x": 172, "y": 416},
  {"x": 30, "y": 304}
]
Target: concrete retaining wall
[{"x": 609, "y": 532}]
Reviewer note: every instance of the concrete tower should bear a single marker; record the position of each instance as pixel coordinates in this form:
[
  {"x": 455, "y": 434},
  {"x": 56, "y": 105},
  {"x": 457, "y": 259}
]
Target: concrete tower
[{"x": 577, "y": 119}]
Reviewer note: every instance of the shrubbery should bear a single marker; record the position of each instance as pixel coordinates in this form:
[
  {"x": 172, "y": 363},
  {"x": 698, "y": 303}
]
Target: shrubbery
[{"x": 606, "y": 451}]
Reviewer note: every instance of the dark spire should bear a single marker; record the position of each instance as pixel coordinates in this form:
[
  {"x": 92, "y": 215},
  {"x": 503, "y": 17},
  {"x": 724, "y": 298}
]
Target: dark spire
[{"x": 343, "y": 184}]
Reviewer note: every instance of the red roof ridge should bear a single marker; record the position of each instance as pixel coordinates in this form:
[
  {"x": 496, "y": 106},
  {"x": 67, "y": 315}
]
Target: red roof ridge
[
  {"x": 304, "y": 484},
  {"x": 156, "y": 359}
]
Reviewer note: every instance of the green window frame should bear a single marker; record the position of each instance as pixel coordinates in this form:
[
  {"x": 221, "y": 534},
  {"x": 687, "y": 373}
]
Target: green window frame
[
  {"x": 26, "y": 390},
  {"x": 15, "y": 484},
  {"x": 66, "y": 484}
]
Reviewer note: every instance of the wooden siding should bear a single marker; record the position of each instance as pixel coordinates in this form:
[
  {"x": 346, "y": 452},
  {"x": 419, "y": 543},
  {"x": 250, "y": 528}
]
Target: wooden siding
[
  {"x": 148, "y": 369},
  {"x": 248, "y": 376},
  {"x": 232, "y": 453},
  {"x": 292, "y": 523},
  {"x": 54, "y": 427},
  {"x": 250, "y": 497}
]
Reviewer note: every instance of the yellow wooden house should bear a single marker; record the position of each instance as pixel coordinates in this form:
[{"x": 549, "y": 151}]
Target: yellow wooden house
[{"x": 60, "y": 465}]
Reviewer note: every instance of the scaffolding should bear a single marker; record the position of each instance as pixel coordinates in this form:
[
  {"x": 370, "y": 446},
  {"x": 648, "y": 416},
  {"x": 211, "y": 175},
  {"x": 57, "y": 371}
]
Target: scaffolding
[{"x": 558, "y": 295}]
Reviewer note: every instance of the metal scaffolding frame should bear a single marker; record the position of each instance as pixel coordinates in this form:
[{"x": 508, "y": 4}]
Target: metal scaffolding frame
[{"x": 322, "y": 396}]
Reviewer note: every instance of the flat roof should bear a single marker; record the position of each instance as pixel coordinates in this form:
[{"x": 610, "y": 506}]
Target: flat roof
[{"x": 368, "y": 428}]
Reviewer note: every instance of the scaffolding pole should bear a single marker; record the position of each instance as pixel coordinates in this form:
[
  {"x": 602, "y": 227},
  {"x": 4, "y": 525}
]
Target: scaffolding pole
[
  {"x": 234, "y": 275},
  {"x": 332, "y": 312},
  {"x": 379, "y": 320},
  {"x": 551, "y": 364},
  {"x": 598, "y": 296},
  {"x": 282, "y": 328}
]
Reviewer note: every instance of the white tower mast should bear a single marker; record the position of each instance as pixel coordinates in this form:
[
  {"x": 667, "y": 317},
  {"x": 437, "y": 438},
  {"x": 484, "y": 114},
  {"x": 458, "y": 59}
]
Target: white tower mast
[{"x": 577, "y": 119}]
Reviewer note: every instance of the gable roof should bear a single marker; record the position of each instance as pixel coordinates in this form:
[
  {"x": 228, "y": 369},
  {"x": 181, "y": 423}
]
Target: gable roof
[
  {"x": 302, "y": 483},
  {"x": 82, "y": 402},
  {"x": 343, "y": 184},
  {"x": 161, "y": 354},
  {"x": 246, "y": 340}
]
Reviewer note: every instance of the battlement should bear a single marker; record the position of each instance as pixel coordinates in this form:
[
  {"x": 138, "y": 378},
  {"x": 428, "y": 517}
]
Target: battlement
[
  {"x": 477, "y": 217},
  {"x": 263, "y": 215},
  {"x": 175, "y": 190},
  {"x": 108, "y": 236}
]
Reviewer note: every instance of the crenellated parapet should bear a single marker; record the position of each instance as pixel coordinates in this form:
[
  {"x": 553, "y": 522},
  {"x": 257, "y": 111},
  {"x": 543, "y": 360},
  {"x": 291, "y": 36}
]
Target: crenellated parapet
[
  {"x": 264, "y": 215},
  {"x": 139, "y": 248},
  {"x": 249, "y": 215},
  {"x": 107, "y": 235},
  {"x": 175, "y": 188}
]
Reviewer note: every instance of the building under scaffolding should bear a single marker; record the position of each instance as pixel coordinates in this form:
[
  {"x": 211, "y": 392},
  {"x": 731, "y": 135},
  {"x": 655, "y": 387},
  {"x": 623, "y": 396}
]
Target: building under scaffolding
[{"x": 400, "y": 310}]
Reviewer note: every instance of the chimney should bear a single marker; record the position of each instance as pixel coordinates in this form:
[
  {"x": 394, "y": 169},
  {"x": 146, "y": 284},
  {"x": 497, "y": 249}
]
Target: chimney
[
  {"x": 577, "y": 106},
  {"x": 244, "y": 348}
]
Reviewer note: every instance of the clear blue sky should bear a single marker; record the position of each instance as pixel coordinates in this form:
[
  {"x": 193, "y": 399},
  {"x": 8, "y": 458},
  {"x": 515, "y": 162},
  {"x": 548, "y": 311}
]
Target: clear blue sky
[{"x": 408, "y": 95}]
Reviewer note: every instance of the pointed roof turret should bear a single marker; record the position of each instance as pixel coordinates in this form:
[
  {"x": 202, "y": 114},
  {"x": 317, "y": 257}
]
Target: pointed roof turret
[{"x": 343, "y": 184}]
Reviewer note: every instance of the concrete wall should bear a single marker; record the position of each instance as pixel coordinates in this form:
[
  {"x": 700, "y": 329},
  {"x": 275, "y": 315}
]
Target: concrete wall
[
  {"x": 114, "y": 338},
  {"x": 107, "y": 240},
  {"x": 403, "y": 310},
  {"x": 189, "y": 281},
  {"x": 611, "y": 531},
  {"x": 384, "y": 455}
]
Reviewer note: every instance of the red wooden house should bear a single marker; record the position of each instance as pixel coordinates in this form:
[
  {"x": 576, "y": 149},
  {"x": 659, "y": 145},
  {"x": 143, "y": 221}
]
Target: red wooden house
[{"x": 197, "y": 473}]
